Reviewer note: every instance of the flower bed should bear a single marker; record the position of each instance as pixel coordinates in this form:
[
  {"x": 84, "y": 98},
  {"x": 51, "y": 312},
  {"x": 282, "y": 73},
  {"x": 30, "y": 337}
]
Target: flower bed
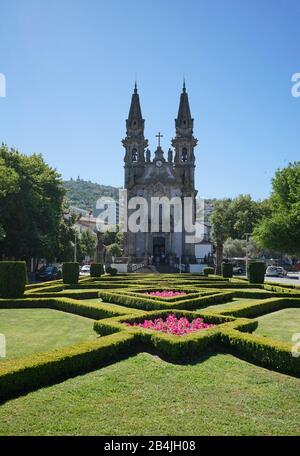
[
  {"x": 166, "y": 293},
  {"x": 173, "y": 325}
]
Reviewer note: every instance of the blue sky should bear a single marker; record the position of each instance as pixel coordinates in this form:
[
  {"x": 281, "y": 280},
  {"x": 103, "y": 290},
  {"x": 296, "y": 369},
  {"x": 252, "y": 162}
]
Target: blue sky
[{"x": 70, "y": 67}]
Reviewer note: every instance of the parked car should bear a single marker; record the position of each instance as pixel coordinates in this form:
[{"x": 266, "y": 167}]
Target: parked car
[
  {"x": 275, "y": 271},
  {"x": 85, "y": 270},
  {"x": 48, "y": 273},
  {"x": 237, "y": 270}
]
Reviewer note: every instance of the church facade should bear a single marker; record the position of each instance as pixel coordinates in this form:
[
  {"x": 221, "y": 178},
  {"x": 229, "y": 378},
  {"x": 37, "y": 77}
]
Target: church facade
[{"x": 160, "y": 175}]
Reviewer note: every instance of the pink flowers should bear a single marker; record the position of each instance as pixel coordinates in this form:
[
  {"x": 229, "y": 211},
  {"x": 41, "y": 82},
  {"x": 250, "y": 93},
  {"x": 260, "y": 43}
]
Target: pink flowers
[
  {"x": 173, "y": 325},
  {"x": 166, "y": 293}
]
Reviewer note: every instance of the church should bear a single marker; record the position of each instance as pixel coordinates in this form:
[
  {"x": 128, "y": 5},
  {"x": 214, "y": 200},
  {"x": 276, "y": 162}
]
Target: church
[{"x": 160, "y": 175}]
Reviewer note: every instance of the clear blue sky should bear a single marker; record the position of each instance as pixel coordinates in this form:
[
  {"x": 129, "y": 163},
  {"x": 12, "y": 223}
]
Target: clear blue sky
[{"x": 70, "y": 67}]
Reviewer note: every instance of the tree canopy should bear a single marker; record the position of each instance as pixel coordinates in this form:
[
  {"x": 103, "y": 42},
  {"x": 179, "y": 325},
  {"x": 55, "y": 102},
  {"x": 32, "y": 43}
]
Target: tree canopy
[
  {"x": 32, "y": 206},
  {"x": 233, "y": 218},
  {"x": 281, "y": 230}
]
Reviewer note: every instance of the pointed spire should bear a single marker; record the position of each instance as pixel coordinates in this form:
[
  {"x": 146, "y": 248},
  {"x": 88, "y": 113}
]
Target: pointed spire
[
  {"x": 135, "y": 119},
  {"x": 184, "y": 119}
]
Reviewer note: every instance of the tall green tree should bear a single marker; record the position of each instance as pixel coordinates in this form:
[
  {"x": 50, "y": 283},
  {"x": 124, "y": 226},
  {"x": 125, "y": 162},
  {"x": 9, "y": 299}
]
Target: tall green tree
[
  {"x": 32, "y": 206},
  {"x": 220, "y": 220},
  {"x": 233, "y": 218},
  {"x": 281, "y": 230},
  {"x": 87, "y": 244}
]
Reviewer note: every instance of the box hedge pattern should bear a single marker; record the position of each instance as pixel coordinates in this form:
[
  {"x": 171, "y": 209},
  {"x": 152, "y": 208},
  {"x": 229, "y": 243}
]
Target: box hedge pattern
[{"x": 120, "y": 299}]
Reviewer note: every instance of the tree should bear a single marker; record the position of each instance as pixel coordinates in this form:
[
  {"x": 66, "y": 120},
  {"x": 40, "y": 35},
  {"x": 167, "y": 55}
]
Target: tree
[
  {"x": 66, "y": 236},
  {"x": 114, "y": 250},
  {"x": 233, "y": 218},
  {"x": 245, "y": 214},
  {"x": 84, "y": 194},
  {"x": 234, "y": 248},
  {"x": 110, "y": 237},
  {"x": 281, "y": 230},
  {"x": 220, "y": 220},
  {"x": 9, "y": 184},
  {"x": 32, "y": 207},
  {"x": 87, "y": 244}
]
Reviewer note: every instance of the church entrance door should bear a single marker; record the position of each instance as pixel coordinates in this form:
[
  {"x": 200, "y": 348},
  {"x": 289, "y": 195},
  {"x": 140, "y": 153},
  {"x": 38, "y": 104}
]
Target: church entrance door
[{"x": 159, "y": 250}]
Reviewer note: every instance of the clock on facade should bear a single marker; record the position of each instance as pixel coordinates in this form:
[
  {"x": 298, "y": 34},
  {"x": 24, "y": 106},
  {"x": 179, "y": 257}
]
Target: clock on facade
[{"x": 159, "y": 163}]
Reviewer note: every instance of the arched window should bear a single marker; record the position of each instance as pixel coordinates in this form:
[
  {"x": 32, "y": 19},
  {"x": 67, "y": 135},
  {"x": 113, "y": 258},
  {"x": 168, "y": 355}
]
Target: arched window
[
  {"x": 134, "y": 155},
  {"x": 184, "y": 154}
]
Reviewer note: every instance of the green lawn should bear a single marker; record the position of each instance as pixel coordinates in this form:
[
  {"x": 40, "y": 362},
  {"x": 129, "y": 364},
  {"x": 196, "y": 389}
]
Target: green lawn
[
  {"x": 232, "y": 304},
  {"x": 30, "y": 331},
  {"x": 144, "y": 395},
  {"x": 280, "y": 325}
]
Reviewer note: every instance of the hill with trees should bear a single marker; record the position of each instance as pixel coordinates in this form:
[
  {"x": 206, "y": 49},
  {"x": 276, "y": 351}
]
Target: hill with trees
[{"x": 84, "y": 194}]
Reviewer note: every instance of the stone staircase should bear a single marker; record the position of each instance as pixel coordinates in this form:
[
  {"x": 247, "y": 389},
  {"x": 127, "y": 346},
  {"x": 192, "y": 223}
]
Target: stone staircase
[{"x": 160, "y": 269}]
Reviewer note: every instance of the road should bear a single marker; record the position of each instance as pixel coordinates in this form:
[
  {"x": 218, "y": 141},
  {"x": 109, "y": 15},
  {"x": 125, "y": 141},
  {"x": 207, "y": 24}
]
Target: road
[{"x": 291, "y": 279}]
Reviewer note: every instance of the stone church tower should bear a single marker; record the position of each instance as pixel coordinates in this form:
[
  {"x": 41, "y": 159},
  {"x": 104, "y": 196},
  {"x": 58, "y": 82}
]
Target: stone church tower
[{"x": 160, "y": 176}]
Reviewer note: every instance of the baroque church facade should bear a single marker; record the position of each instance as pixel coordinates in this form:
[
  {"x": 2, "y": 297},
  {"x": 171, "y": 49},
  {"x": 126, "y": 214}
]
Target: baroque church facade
[{"x": 168, "y": 176}]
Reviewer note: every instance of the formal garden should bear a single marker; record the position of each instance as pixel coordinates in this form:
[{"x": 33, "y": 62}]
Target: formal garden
[{"x": 142, "y": 354}]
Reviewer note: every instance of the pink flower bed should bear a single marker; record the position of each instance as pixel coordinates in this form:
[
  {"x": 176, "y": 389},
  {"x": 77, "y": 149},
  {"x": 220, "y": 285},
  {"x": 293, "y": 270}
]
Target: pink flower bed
[
  {"x": 173, "y": 325},
  {"x": 166, "y": 293}
]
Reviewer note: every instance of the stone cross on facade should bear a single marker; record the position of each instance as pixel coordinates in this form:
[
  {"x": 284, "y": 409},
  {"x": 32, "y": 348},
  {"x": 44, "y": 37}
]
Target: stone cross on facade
[{"x": 159, "y": 136}]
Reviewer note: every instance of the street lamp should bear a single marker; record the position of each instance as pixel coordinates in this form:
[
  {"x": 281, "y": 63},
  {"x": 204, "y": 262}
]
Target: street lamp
[
  {"x": 247, "y": 235},
  {"x": 75, "y": 234},
  {"x": 75, "y": 247}
]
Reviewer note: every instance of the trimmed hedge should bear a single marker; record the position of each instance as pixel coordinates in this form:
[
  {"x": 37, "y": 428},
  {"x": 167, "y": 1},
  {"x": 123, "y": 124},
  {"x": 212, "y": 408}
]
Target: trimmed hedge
[
  {"x": 256, "y": 309},
  {"x": 28, "y": 374},
  {"x": 13, "y": 278},
  {"x": 91, "y": 310},
  {"x": 261, "y": 350},
  {"x": 232, "y": 335},
  {"x": 49, "y": 289},
  {"x": 111, "y": 271},
  {"x": 285, "y": 290},
  {"x": 75, "y": 294},
  {"x": 256, "y": 272},
  {"x": 227, "y": 270},
  {"x": 70, "y": 273},
  {"x": 33, "y": 286},
  {"x": 207, "y": 271},
  {"x": 178, "y": 349},
  {"x": 153, "y": 304},
  {"x": 97, "y": 270}
]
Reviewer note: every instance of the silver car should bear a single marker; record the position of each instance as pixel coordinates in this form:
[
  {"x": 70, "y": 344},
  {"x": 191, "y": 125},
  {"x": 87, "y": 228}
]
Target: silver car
[
  {"x": 85, "y": 270},
  {"x": 275, "y": 271}
]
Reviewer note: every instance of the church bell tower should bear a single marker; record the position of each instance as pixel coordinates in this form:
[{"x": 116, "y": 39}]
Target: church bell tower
[
  {"x": 135, "y": 142},
  {"x": 184, "y": 144}
]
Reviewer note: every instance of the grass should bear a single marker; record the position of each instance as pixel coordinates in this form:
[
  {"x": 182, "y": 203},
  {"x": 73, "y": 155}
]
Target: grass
[
  {"x": 280, "y": 325},
  {"x": 144, "y": 395},
  {"x": 234, "y": 303},
  {"x": 30, "y": 331}
]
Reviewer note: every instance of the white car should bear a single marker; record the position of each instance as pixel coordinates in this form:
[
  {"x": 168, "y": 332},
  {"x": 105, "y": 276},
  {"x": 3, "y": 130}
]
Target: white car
[
  {"x": 85, "y": 270},
  {"x": 275, "y": 271}
]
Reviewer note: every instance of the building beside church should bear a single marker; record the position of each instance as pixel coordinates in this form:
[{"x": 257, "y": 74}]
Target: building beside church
[{"x": 160, "y": 175}]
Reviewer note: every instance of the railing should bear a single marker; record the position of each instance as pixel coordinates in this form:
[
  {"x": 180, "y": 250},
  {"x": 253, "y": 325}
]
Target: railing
[
  {"x": 181, "y": 267},
  {"x": 136, "y": 266}
]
